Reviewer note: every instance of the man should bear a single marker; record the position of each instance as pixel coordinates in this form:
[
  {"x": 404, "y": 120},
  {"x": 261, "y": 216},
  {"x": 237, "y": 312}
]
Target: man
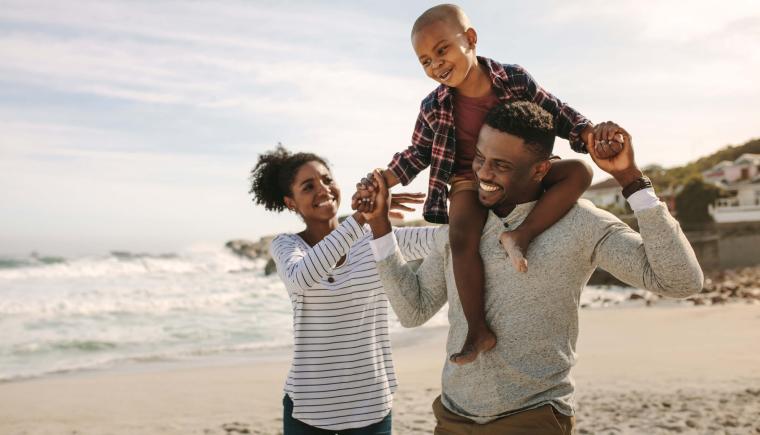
[{"x": 523, "y": 385}]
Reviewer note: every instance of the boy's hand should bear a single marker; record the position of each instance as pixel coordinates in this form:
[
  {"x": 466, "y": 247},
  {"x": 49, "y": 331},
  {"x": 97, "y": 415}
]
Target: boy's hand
[
  {"x": 515, "y": 243},
  {"x": 622, "y": 167},
  {"x": 380, "y": 200},
  {"x": 605, "y": 139}
]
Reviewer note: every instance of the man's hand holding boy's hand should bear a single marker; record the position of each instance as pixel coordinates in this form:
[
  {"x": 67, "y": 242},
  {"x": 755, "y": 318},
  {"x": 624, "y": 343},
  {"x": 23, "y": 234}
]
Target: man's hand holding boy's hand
[
  {"x": 621, "y": 166},
  {"x": 605, "y": 139}
]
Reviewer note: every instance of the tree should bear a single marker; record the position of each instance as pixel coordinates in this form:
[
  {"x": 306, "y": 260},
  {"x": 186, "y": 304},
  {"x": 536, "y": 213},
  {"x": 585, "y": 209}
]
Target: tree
[{"x": 693, "y": 201}]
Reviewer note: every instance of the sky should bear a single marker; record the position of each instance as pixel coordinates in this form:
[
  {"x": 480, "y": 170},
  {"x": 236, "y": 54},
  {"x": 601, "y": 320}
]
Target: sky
[{"x": 133, "y": 125}]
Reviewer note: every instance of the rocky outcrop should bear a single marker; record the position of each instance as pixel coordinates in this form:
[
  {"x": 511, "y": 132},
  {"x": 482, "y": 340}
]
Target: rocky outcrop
[
  {"x": 254, "y": 251},
  {"x": 730, "y": 285}
]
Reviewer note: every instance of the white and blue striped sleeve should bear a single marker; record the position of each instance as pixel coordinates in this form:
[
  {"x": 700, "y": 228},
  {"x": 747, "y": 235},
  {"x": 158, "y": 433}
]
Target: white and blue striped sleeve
[
  {"x": 303, "y": 268},
  {"x": 415, "y": 243}
]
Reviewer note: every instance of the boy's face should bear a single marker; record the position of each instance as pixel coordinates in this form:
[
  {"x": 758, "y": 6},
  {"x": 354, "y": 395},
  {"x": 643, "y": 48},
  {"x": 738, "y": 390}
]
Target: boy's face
[{"x": 446, "y": 53}]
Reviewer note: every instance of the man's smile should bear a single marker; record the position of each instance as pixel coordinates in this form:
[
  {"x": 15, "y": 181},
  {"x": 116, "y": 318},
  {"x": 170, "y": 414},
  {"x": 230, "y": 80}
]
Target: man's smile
[{"x": 489, "y": 187}]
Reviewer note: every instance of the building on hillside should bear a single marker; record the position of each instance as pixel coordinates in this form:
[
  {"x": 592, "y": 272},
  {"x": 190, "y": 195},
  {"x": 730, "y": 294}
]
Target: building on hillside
[
  {"x": 741, "y": 178},
  {"x": 606, "y": 194},
  {"x": 742, "y": 206},
  {"x": 746, "y": 167}
]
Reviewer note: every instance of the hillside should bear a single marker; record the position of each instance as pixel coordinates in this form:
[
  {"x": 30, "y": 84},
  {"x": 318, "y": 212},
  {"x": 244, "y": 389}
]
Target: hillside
[{"x": 680, "y": 175}]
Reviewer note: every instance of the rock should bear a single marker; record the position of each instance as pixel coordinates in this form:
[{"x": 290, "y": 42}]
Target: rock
[
  {"x": 692, "y": 424},
  {"x": 270, "y": 268},
  {"x": 720, "y": 299},
  {"x": 248, "y": 249},
  {"x": 236, "y": 427},
  {"x": 730, "y": 285},
  {"x": 698, "y": 301},
  {"x": 635, "y": 296}
]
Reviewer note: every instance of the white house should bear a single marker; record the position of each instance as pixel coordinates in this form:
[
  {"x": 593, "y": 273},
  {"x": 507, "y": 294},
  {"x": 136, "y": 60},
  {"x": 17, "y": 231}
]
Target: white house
[
  {"x": 606, "y": 194},
  {"x": 742, "y": 178},
  {"x": 744, "y": 206}
]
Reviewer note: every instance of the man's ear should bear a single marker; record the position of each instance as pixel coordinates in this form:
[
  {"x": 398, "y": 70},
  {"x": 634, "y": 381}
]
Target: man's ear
[
  {"x": 290, "y": 203},
  {"x": 540, "y": 169},
  {"x": 472, "y": 37}
]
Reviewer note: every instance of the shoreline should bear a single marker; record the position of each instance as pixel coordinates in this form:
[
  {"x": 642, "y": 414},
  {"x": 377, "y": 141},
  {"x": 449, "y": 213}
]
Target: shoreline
[
  {"x": 639, "y": 368},
  {"x": 401, "y": 338}
]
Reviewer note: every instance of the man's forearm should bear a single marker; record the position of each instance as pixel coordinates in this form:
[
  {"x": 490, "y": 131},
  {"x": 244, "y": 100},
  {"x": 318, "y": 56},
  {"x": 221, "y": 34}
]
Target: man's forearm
[
  {"x": 626, "y": 177},
  {"x": 658, "y": 258},
  {"x": 380, "y": 226}
]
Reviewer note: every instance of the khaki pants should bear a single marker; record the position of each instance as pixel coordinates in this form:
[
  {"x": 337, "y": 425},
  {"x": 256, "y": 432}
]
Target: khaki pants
[{"x": 544, "y": 420}]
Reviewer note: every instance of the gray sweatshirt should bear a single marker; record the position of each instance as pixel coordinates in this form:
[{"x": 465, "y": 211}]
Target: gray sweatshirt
[{"x": 535, "y": 314}]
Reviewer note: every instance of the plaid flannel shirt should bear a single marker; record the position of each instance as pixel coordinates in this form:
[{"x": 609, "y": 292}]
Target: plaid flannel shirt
[{"x": 433, "y": 141}]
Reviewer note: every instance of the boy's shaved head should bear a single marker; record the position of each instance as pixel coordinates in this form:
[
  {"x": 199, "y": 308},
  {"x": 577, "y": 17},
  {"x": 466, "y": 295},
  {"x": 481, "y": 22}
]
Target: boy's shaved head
[{"x": 451, "y": 14}]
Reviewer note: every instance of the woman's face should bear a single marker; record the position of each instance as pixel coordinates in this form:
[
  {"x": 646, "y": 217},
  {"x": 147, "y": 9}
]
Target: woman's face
[{"x": 315, "y": 195}]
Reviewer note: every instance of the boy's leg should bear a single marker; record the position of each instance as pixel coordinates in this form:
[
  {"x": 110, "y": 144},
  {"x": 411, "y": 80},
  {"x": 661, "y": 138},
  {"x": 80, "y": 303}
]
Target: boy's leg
[{"x": 466, "y": 220}]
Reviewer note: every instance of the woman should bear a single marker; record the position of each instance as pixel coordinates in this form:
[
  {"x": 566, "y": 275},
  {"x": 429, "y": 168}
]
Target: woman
[{"x": 341, "y": 379}]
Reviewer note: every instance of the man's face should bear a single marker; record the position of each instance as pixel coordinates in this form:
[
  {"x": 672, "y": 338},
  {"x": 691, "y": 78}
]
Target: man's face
[
  {"x": 506, "y": 170},
  {"x": 447, "y": 54}
]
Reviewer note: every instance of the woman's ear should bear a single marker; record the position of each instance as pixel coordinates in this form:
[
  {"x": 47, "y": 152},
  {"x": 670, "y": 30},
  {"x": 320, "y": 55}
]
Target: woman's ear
[{"x": 290, "y": 204}]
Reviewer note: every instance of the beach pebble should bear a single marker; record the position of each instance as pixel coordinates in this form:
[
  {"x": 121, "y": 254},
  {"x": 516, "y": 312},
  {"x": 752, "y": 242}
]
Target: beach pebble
[{"x": 236, "y": 427}]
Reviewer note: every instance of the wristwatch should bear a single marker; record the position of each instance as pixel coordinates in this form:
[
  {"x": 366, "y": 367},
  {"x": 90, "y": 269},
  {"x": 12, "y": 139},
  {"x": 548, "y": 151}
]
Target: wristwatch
[{"x": 634, "y": 186}]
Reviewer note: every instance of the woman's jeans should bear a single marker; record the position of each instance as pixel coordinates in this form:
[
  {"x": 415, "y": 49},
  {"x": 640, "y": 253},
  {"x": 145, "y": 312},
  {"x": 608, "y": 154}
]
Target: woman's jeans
[{"x": 296, "y": 427}]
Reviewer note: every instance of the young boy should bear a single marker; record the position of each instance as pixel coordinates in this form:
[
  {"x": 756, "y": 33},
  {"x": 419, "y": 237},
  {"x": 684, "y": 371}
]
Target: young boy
[{"x": 445, "y": 136}]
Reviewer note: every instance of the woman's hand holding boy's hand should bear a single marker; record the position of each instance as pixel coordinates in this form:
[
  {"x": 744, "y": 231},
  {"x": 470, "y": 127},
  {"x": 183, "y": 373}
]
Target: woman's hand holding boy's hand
[
  {"x": 368, "y": 188},
  {"x": 378, "y": 217}
]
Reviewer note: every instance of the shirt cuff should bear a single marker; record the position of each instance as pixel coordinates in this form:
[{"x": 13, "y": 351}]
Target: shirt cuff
[
  {"x": 643, "y": 199},
  {"x": 384, "y": 246}
]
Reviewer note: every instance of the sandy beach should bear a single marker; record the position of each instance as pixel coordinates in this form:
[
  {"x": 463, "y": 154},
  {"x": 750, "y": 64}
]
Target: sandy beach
[{"x": 641, "y": 370}]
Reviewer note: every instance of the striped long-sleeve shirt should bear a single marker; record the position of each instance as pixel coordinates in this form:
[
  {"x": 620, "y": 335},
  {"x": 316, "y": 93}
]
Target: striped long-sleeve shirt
[{"x": 342, "y": 373}]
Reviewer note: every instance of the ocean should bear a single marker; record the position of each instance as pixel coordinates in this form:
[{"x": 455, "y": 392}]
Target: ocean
[{"x": 60, "y": 315}]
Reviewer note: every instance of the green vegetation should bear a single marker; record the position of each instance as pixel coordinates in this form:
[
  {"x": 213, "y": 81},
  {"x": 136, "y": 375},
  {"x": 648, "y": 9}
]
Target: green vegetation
[{"x": 692, "y": 203}]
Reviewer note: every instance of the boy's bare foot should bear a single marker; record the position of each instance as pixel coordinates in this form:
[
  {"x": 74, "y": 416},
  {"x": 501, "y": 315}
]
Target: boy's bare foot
[
  {"x": 474, "y": 345},
  {"x": 515, "y": 243}
]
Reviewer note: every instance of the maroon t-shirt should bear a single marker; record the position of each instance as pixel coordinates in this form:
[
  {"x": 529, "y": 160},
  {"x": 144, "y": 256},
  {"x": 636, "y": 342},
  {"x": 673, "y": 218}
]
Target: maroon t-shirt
[{"x": 469, "y": 115}]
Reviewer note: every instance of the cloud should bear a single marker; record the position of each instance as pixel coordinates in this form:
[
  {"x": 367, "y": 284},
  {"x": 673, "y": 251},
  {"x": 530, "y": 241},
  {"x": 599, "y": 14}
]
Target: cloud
[{"x": 146, "y": 116}]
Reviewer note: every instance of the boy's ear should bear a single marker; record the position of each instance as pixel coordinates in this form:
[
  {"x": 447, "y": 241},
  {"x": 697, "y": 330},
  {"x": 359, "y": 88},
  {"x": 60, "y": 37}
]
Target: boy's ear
[
  {"x": 472, "y": 37},
  {"x": 541, "y": 169}
]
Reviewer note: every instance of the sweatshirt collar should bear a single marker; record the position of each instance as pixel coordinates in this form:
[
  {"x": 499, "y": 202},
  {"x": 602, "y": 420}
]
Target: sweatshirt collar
[{"x": 514, "y": 218}]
